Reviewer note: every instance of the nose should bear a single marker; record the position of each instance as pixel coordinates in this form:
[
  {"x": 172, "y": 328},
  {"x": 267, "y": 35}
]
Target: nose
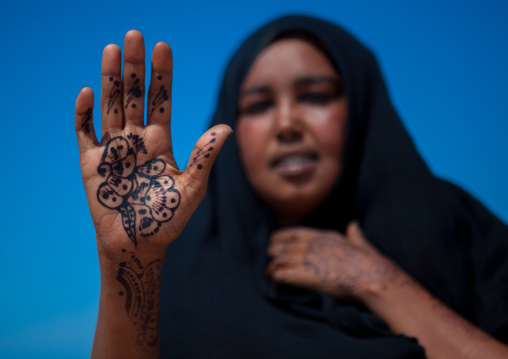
[{"x": 288, "y": 122}]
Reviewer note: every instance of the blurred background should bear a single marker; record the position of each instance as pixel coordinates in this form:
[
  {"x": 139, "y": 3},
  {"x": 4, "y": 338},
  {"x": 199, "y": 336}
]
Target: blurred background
[{"x": 445, "y": 63}]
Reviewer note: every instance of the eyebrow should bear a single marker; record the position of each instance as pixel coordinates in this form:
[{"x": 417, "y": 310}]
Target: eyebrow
[
  {"x": 256, "y": 90},
  {"x": 304, "y": 81}
]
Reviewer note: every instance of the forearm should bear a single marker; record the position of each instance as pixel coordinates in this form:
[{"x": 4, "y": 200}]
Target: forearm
[
  {"x": 128, "y": 320},
  {"x": 410, "y": 309}
]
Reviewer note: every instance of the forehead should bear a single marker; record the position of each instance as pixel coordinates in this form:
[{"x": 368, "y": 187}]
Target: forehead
[{"x": 288, "y": 60}]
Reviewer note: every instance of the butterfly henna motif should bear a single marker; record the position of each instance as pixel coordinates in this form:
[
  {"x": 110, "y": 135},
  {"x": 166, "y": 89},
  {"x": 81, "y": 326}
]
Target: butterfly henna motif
[{"x": 142, "y": 194}]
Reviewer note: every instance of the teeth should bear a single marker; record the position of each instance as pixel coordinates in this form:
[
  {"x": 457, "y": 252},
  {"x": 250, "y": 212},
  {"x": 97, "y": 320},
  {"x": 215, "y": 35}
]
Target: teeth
[
  {"x": 293, "y": 161},
  {"x": 295, "y": 164}
]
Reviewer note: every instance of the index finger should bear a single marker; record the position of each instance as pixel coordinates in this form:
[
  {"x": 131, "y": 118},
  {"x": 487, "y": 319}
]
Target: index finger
[
  {"x": 134, "y": 78},
  {"x": 288, "y": 234}
]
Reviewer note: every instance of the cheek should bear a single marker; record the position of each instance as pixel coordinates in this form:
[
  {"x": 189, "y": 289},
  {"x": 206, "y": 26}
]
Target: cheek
[
  {"x": 329, "y": 128},
  {"x": 252, "y": 137}
]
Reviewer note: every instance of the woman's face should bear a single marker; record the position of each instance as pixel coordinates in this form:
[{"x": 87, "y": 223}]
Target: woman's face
[{"x": 291, "y": 127}]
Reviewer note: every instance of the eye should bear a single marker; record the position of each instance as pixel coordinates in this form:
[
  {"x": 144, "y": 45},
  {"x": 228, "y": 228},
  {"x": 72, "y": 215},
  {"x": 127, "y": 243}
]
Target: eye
[
  {"x": 316, "y": 98},
  {"x": 257, "y": 108}
]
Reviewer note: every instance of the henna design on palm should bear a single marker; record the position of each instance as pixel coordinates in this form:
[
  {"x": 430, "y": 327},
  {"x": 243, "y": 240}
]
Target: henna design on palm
[{"x": 142, "y": 194}]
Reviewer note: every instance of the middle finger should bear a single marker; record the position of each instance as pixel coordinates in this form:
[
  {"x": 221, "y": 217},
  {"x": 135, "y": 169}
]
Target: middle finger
[{"x": 134, "y": 78}]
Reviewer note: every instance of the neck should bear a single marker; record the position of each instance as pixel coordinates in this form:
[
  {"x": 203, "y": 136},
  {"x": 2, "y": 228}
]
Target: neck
[{"x": 287, "y": 220}]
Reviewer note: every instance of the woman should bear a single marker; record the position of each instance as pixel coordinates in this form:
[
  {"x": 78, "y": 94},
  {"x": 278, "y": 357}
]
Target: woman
[{"x": 263, "y": 269}]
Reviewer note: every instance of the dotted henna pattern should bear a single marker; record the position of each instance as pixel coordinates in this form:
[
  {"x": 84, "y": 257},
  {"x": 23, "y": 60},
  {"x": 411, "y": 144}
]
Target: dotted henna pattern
[
  {"x": 142, "y": 194},
  {"x": 203, "y": 152},
  {"x": 114, "y": 94}
]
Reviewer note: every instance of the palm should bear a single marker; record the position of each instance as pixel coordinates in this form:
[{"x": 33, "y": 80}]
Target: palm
[
  {"x": 135, "y": 192},
  {"x": 131, "y": 191}
]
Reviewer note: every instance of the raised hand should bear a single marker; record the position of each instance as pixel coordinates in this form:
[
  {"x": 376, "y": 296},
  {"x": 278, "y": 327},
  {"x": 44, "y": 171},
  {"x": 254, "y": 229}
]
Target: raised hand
[
  {"x": 346, "y": 267},
  {"x": 137, "y": 196},
  {"x": 139, "y": 200}
]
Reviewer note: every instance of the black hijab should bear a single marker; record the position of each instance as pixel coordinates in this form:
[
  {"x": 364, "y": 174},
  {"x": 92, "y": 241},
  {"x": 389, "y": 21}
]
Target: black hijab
[{"x": 216, "y": 301}]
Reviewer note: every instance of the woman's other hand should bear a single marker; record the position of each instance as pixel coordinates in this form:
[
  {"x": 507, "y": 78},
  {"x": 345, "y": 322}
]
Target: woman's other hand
[
  {"x": 349, "y": 267},
  {"x": 137, "y": 197},
  {"x": 344, "y": 266}
]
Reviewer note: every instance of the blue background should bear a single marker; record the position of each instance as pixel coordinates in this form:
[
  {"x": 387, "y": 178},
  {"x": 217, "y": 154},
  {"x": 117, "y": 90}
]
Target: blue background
[{"x": 445, "y": 63}]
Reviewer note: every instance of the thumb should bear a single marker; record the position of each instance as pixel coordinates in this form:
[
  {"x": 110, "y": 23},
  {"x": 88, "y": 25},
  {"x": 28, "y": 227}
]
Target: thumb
[
  {"x": 356, "y": 235},
  {"x": 205, "y": 152}
]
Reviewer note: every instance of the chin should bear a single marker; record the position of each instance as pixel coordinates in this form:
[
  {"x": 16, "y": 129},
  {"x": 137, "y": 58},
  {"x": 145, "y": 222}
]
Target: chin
[
  {"x": 298, "y": 205},
  {"x": 294, "y": 196}
]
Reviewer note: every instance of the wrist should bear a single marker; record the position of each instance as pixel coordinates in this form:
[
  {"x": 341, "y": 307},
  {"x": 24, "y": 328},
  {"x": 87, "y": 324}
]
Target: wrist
[
  {"x": 383, "y": 284},
  {"x": 393, "y": 294},
  {"x": 110, "y": 249},
  {"x": 113, "y": 260}
]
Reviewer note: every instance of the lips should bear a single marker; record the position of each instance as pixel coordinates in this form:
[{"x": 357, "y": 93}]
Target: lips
[{"x": 295, "y": 163}]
